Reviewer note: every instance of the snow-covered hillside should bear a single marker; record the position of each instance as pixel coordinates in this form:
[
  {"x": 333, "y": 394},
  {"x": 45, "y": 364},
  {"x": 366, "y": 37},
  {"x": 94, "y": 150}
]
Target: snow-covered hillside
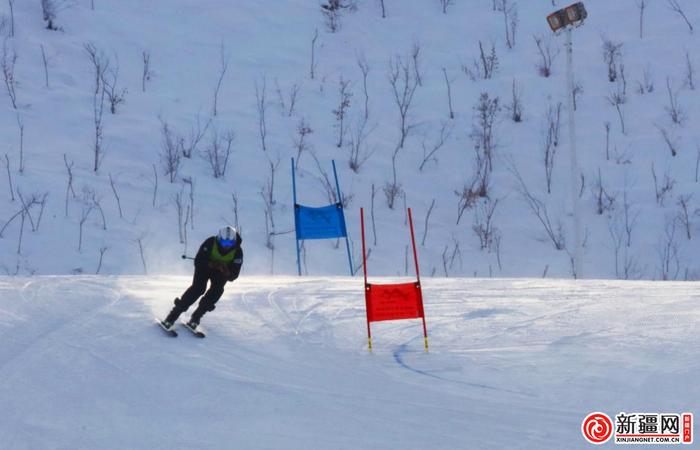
[
  {"x": 512, "y": 364},
  {"x": 214, "y": 56}
]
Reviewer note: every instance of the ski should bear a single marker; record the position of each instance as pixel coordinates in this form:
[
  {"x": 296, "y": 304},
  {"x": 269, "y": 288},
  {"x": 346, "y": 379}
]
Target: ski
[
  {"x": 196, "y": 331},
  {"x": 169, "y": 331}
]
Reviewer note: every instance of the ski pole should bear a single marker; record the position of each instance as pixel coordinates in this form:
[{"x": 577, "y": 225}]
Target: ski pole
[{"x": 187, "y": 257}]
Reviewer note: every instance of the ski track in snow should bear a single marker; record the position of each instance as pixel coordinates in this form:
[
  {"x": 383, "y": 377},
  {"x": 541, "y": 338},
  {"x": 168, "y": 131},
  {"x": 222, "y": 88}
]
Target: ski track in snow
[{"x": 512, "y": 364}]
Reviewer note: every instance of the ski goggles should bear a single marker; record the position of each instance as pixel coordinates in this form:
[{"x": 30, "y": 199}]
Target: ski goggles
[{"x": 227, "y": 243}]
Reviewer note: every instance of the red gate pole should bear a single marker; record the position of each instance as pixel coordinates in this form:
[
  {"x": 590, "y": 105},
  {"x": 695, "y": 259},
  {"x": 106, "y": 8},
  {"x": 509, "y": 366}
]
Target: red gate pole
[
  {"x": 364, "y": 268},
  {"x": 415, "y": 259}
]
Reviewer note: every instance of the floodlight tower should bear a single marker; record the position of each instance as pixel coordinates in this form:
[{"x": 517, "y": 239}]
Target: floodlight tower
[{"x": 566, "y": 19}]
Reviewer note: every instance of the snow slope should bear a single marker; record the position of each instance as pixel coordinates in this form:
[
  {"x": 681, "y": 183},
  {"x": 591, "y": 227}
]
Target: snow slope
[
  {"x": 269, "y": 43},
  {"x": 512, "y": 364}
]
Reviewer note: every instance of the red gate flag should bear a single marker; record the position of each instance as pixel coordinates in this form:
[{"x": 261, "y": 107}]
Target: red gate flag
[{"x": 393, "y": 301}]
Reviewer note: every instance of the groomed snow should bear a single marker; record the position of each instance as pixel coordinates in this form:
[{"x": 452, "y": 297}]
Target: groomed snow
[{"x": 512, "y": 364}]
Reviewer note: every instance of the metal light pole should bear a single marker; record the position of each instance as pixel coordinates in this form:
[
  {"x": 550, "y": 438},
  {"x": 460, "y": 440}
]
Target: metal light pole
[{"x": 566, "y": 19}]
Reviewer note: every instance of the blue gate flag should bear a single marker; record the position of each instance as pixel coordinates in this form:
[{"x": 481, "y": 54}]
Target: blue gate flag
[{"x": 326, "y": 222}]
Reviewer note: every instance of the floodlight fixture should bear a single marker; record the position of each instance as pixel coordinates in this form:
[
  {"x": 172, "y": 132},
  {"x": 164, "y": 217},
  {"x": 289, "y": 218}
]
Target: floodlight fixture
[{"x": 572, "y": 15}]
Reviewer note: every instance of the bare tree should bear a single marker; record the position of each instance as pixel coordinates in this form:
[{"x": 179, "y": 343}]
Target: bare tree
[
  {"x": 115, "y": 96},
  {"x": 427, "y": 218},
  {"x": 381, "y": 3},
  {"x": 689, "y": 72},
  {"x": 483, "y": 225},
  {"x": 267, "y": 192},
  {"x": 116, "y": 195},
  {"x": 300, "y": 143},
  {"x": 483, "y": 129},
  {"x": 223, "y": 59},
  {"x": 674, "y": 110},
  {"x": 550, "y": 143},
  {"x": 171, "y": 151},
  {"x": 197, "y": 132},
  {"x": 359, "y": 154},
  {"x": 12, "y": 17},
  {"x": 642, "y": 5},
  {"x": 261, "y": 104},
  {"x": 449, "y": 93},
  {"x": 662, "y": 188},
  {"x": 444, "y": 4},
  {"x": 646, "y": 86},
  {"x": 312, "y": 68},
  {"x": 287, "y": 106},
  {"x": 539, "y": 209},
  {"x": 612, "y": 55},
  {"x": 332, "y": 12},
  {"x": 510, "y": 19},
  {"x": 617, "y": 99},
  {"x": 374, "y": 224},
  {"x": 49, "y": 11},
  {"x": 182, "y": 215},
  {"x": 547, "y": 55},
  {"x": 415, "y": 57},
  {"x": 20, "y": 125},
  {"x": 219, "y": 151},
  {"x": 103, "y": 250},
  {"x": 364, "y": 68},
  {"x": 403, "y": 84},
  {"x": 684, "y": 216},
  {"x": 9, "y": 177},
  {"x": 630, "y": 216},
  {"x": 673, "y": 4},
  {"x": 146, "y": 74},
  {"x": 485, "y": 67},
  {"x": 604, "y": 201},
  {"x": 697, "y": 164},
  {"x": 429, "y": 151},
  {"x": 669, "y": 251},
  {"x": 669, "y": 140},
  {"x": 9, "y": 59},
  {"x": 87, "y": 209},
  {"x": 341, "y": 111},
  {"x": 139, "y": 241},
  {"x": 69, "y": 186},
  {"x": 100, "y": 64},
  {"x": 46, "y": 66},
  {"x": 516, "y": 104}
]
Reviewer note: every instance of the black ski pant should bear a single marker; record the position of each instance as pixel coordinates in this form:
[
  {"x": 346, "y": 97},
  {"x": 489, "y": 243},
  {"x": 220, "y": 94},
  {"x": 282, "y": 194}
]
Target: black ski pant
[{"x": 202, "y": 275}]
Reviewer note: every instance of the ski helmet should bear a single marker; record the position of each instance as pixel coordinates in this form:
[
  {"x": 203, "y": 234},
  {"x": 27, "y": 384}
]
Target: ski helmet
[{"x": 227, "y": 237}]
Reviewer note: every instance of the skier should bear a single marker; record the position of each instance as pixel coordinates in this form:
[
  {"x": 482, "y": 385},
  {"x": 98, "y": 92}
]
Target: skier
[{"x": 218, "y": 260}]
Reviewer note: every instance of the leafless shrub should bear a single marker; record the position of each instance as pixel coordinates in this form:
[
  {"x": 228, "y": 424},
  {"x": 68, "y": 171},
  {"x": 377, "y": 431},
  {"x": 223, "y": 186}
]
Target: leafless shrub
[
  {"x": 483, "y": 225},
  {"x": 300, "y": 144},
  {"x": 617, "y": 99},
  {"x": 515, "y": 107},
  {"x": 183, "y": 214},
  {"x": 116, "y": 195},
  {"x": 139, "y": 241},
  {"x": 646, "y": 86},
  {"x": 235, "y": 208},
  {"x": 312, "y": 68},
  {"x": 69, "y": 185},
  {"x": 483, "y": 130},
  {"x": 449, "y": 93},
  {"x": 12, "y": 18},
  {"x": 197, "y": 132},
  {"x": 261, "y": 105},
  {"x": 669, "y": 140},
  {"x": 381, "y": 3},
  {"x": 267, "y": 192},
  {"x": 684, "y": 216},
  {"x": 415, "y": 57},
  {"x": 45, "y": 60},
  {"x": 333, "y": 10},
  {"x": 223, "y": 59},
  {"x": 673, "y": 4},
  {"x": 429, "y": 151},
  {"x": 510, "y": 19},
  {"x": 374, "y": 224},
  {"x": 287, "y": 105},
  {"x": 146, "y": 74},
  {"x": 663, "y": 188},
  {"x": 697, "y": 165},
  {"x": 49, "y": 10},
  {"x": 20, "y": 126},
  {"x": 115, "y": 96},
  {"x": 641, "y": 4},
  {"x": 364, "y": 68},
  {"x": 539, "y": 209},
  {"x": 469, "y": 195},
  {"x": 604, "y": 200},
  {"x": 9, "y": 59},
  {"x": 171, "y": 151},
  {"x": 427, "y": 218},
  {"x": 403, "y": 84},
  {"x": 630, "y": 215},
  {"x": 668, "y": 251},
  {"x": 84, "y": 215},
  {"x": 485, "y": 67},
  {"x": 450, "y": 255},
  {"x": 612, "y": 56},
  {"x": 9, "y": 177},
  {"x": 444, "y": 4},
  {"x": 689, "y": 72},
  {"x": 674, "y": 109},
  {"x": 547, "y": 55},
  {"x": 357, "y": 144},
  {"x": 103, "y": 250},
  {"x": 626, "y": 265},
  {"x": 218, "y": 152},
  {"x": 100, "y": 63},
  {"x": 550, "y": 143},
  {"x": 341, "y": 111}
]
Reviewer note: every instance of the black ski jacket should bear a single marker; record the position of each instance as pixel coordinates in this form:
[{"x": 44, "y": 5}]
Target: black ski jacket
[{"x": 204, "y": 258}]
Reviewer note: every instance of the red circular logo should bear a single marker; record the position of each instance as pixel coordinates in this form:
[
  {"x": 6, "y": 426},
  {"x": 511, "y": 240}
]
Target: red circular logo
[{"x": 597, "y": 428}]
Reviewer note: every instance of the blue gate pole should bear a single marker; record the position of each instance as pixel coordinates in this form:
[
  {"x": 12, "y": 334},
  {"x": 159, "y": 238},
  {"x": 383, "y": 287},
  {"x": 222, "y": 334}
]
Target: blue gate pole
[
  {"x": 340, "y": 200},
  {"x": 296, "y": 232}
]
